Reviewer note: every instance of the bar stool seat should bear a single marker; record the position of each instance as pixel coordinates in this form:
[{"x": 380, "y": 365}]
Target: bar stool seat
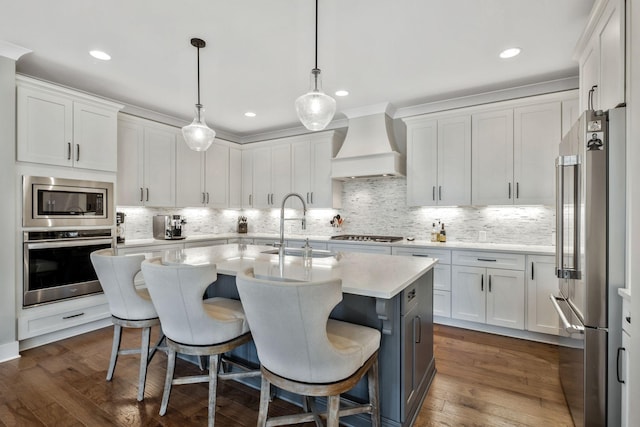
[
  {"x": 302, "y": 351},
  {"x": 194, "y": 326},
  {"x": 129, "y": 307}
]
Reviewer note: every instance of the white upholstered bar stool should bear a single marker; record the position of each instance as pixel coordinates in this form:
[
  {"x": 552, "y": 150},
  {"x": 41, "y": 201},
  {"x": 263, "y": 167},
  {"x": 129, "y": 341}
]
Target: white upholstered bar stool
[
  {"x": 194, "y": 326},
  {"x": 129, "y": 307},
  {"x": 302, "y": 351}
]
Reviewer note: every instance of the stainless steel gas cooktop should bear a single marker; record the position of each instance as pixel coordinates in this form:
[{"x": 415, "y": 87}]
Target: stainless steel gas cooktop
[{"x": 366, "y": 238}]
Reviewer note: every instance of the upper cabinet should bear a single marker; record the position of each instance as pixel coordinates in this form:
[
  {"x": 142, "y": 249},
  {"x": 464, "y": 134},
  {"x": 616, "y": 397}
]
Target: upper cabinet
[
  {"x": 439, "y": 160},
  {"x": 57, "y": 126},
  {"x": 271, "y": 175},
  {"x": 146, "y": 163},
  {"x": 600, "y": 53}
]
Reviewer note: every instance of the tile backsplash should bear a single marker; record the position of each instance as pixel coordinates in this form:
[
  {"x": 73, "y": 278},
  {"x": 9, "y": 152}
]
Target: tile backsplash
[{"x": 370, "y": 206}]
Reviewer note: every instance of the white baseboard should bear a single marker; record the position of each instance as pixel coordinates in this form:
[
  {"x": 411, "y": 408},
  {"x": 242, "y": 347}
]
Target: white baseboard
[{"x": 9, "y": 351}]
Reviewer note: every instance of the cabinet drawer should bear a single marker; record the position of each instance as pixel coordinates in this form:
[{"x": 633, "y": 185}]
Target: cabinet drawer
[
  {"x": 444, "y": 256},
  {"x": 441, "y": 303},
  {"x": 43, "y": 320},
  {"x": 489, "y": 259}
]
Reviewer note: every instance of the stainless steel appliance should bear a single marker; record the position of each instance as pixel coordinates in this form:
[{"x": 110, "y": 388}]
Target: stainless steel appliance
[
  {"x": 366, "y": 238},
  {"x": 120, "y": 227},
  {"x": 57, "y": 264},
  {"x": 590, "y": 263},
  {"x": 57, "y": 202},
  {"x": 168, "y": 227}
]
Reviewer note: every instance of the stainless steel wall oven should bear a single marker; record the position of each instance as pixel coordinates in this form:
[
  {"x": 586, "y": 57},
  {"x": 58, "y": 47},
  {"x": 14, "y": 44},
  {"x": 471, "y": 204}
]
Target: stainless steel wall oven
[{"x": 57, "y": 264}]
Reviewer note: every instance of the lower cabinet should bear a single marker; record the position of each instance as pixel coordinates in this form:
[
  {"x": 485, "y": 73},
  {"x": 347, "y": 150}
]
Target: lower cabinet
[
  {"x": 494, "y": 296},
  {"x": 623, "y": 364},
  {"x": 541, "y": 282}
]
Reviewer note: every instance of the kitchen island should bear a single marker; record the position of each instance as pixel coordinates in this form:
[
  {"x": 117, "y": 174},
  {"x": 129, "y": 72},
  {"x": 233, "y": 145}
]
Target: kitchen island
[{"x": 391, "y": 294}]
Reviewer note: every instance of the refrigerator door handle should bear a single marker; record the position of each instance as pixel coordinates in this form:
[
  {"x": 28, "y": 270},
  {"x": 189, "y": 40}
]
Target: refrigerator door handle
[
  {"x": 572, "y": 329},
  {"x": 563, "y": 271}
]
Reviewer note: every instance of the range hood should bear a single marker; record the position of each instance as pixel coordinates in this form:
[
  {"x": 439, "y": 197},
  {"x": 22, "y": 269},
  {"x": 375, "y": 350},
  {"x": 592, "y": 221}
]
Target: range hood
[{"x": 369, "y": 149}]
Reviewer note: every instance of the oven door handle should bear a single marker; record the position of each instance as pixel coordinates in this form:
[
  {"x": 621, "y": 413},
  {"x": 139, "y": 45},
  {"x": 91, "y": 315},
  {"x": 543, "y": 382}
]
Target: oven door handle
[
  {"x": 572, "y": 329},
  {"x": 68, "y": 243}
]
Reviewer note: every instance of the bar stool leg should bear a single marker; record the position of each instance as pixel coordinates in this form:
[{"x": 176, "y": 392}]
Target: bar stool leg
[
  {"x": 265, "y": 391},
  {"x": 171, "y": 364},
  {"x": 144, "y": 358},
  {"x": 333, "y": 411},
  {"x": 117, "y": 336},
  {"x": 374, "y": 391},
  {"x": 213, "y": 382}
]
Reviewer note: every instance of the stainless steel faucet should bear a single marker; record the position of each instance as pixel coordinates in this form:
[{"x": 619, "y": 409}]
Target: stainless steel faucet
[{"x": 283, "y": 219}]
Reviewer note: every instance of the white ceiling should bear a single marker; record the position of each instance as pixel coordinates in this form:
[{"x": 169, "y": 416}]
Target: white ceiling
[{"x": 260, "y": 52}]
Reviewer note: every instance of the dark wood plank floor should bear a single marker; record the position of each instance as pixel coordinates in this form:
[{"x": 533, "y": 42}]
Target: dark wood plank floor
[{"x": 482, "y": 380}]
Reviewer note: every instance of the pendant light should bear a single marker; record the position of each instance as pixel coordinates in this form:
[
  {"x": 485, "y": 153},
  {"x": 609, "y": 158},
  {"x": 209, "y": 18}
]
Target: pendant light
[
  {"x": 315, "y": 109},
  {"x": 198, "y": 135}
]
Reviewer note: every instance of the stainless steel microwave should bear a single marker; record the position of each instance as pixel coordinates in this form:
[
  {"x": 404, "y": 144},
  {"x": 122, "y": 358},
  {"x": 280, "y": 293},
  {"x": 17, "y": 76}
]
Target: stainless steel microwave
[{"x": 54, "y": 202}]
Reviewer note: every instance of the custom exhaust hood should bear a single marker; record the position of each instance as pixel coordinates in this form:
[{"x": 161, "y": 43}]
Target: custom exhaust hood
[{"x": 369, "y": 149}]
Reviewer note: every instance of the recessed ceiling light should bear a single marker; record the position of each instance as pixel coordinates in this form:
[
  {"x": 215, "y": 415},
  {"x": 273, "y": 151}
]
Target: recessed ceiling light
[
  {"x": 342, "y": 92},
  {"x": 510, "y": 53},
  {"x": 250, "y": 114},
  {"x": 98, "y": 54}
]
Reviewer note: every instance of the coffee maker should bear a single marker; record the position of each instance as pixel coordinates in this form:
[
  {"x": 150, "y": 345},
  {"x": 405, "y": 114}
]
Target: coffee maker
[
  {"x": 168, "y": 227},
  {"x": 120, "y": 227}
]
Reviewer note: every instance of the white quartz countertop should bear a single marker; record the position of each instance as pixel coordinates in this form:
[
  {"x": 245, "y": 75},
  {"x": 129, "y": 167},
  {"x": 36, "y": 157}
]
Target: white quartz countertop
[
  {"x": 476, "y": 246},
  {"x": 373, "y": 275}
]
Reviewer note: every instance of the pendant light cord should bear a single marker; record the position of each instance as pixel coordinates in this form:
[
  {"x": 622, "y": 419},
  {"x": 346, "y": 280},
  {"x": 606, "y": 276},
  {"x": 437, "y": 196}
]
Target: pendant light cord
[
  {"x": 316, "y": 34},
  {"x": 199, "y": 105}
]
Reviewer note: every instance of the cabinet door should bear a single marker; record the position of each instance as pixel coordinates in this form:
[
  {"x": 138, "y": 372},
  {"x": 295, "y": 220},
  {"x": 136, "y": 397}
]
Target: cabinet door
[
  {"x": 300, "y": 170},
  {"x": 441, "y": 303},
  {"x": 281, "y": 174},
  {"x": 95, "y": 133},
  {"x": 492, "y": 158},
  {"x": 454, "y": 161},
  {"x": 505, "y": 298},
  {"x": 468, "y": 293},
  {"x": 44, "y": 127},
  {"x": 235, "y": 178},
  {"x": 189, "y": 175},
  {"x": 247, "y": 178},
  {"x": 590, "y": 74},
  {"x": 541, "y": 282},
  {"x": 624, "y": 374},
  {"x": 262, "y": 177},
  {"x": 130, "y": 181},
  {"x": 217, "y": 176},
  {"x": 611, "y": 40},
  {"x": 159, "y": 167},
  {"x": 537, "y": 130},
  {"x": 325, "y": 192},
  {"x": 422, "y": 163}
]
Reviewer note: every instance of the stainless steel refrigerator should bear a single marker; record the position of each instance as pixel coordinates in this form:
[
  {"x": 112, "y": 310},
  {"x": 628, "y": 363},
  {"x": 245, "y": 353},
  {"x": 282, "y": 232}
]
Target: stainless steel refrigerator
[{"x": 590, "y": 263}]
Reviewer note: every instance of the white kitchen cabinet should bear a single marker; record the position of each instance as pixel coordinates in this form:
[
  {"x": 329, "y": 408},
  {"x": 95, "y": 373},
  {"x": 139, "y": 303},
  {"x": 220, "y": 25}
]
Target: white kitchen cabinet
[
  {"x": 57, "y": 126},
  {"x": 202, "y": 178},
  {"x": 492, "y": 157},
  {"x": 235, "y": 177},
  {"x": 623, "y": 363},
  {"x": 537, "y": 134},
  {"x": 441, "y": 276},
  {"x": 570, "y": 113},
  {"x": 601, "y": 56},
  {"x": 247, "y": 179},
  {"x": 483, "y": 293},
  {"x": 146, "y": 163},
  {"x": 541, "y": 282},
  {"x": 311, "y": 170},
  {"x": 271, "y": 175},
  {"x": 439, "y": 160}
]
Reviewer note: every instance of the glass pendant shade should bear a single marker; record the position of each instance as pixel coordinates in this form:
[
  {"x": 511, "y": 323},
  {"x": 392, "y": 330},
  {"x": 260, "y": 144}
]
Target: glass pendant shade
[
  {"x": 198, "y": 135},
  {"x": 315, "y": 108}
]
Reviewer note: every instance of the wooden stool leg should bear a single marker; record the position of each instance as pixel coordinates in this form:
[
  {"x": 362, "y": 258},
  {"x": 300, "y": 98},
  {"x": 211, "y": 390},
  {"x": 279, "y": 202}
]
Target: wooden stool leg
[
  {"x": 265, "y": 392},
  {"x": 144, "y": 355},
  {"x": 115, "y": 347},
  {"x": 333, "y": 410},
  {"x": 213, "y": 382},
  {"x": 374, "y": 394},
  {"x": 171, "y": 364}
]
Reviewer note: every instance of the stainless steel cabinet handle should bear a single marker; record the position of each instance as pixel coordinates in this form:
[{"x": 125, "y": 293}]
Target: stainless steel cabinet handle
[
  {"x": 312, "y": 197},
  {"x": 572, "y": 329},
  {"x": 203, "y": 198},
  {"x": 77, "y": 152},
  {"x": 509, "y": 190},
  {"x": 421, "y": 255},
  {"x": 147, "y": 194},
  {"x": 517, "y": 190},
  {"x": 433, "y": 193},
  {"x": 417, "y": 337},
  {"x": 489, "y": 283},
  {"x": 532, "y": 270},
  {"x": 307, "y": 197},
  {"x": 482, "y": 283},
  {"x": 487, "y": 260},
  {"x": 620, "y": 350},
  {"x": 68, "y": 151},
  {"x": 440, "y": 192},
  {"x": 72, "y": 316},
  {"x": 207, "y": 197}
]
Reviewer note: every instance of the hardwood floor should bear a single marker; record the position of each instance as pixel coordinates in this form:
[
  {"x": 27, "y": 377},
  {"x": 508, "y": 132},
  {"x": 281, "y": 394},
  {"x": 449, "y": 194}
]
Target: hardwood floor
[{"x": 482, "y": 380}]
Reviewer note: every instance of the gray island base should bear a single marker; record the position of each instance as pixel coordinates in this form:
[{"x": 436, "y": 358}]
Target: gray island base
[{"x": 402, "y": 311}]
